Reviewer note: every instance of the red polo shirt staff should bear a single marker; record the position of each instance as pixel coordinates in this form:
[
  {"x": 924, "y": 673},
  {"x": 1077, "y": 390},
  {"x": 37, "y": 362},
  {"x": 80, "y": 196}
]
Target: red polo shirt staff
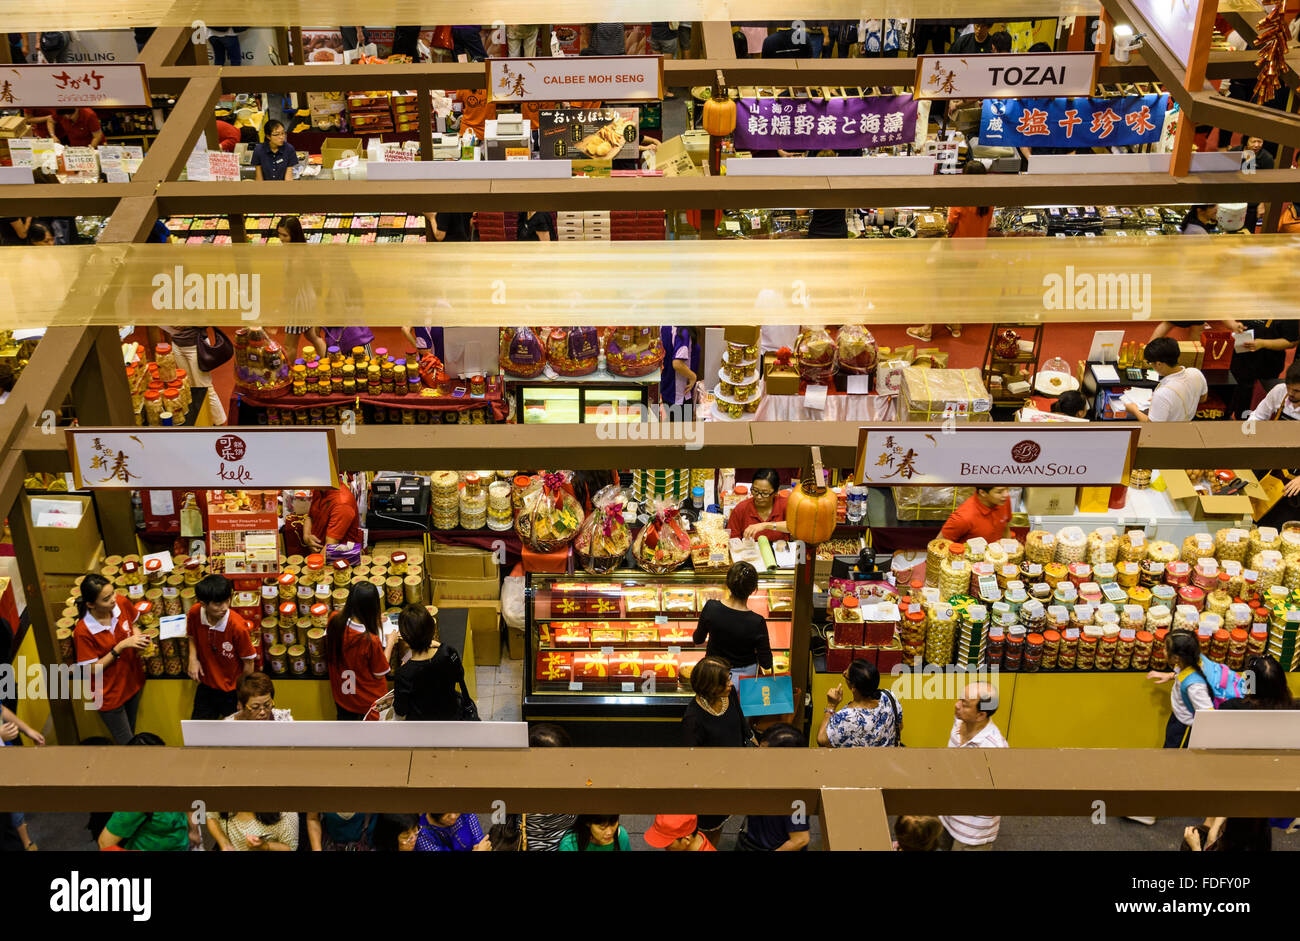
[
  {"x": 221, "y": 650},
  {"x": 107, "y": 644},
  {"x": 986, "y": 514},
  {"x": 334, "y": 518}
]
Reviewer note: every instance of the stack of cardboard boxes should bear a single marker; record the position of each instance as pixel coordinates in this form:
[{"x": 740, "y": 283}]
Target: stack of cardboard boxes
[
  {"x": 468, "y": 579},
  {"x": 592, "y": 226},
  {"x": 628, "y": 226},
  {"x": 406, "y": 114},
  {"x": 369, "y": 112},
  {"x": 65, "y": 536}
]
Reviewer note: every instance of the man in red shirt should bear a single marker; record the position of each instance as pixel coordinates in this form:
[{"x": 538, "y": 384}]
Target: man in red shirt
[
  {"x": 987, "y": 514},
  {"x": 334, "y": 518},
  {"x": 74, "y": 127},
  {"x": 221, "y": 650}
]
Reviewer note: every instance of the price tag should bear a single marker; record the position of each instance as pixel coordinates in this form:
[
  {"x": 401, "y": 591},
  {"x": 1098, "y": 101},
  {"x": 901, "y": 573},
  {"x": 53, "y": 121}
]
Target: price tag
[
  {"x": 629, "y": 687},
  {"x": 913, "y": 609},
  {"x": 860, "y": 384},
  {"x": 661, "y": 619},
  {"x": 815, "y": 398},
  {"x": 674, "y": 650},
  {"x": 575, "y": 686},
  {"x": 607, "y": 651},
  {"x": 1232, "y": 536}
]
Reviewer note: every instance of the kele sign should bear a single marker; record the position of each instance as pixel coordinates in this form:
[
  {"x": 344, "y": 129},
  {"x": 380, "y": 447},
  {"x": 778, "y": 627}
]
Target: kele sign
[
  {"x": 217, "y": 458},
  {"x": 1029, "y": 455},
  {"x": 576, "y": 78},
  {"x": 1010, "y": 75}
]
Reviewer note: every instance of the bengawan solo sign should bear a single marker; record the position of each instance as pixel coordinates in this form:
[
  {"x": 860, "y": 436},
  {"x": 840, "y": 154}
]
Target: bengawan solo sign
[
  {"x": 217, "y": 458},
  {"x": 1028, "y": 455},
  {"x": 577, "y": 78}
]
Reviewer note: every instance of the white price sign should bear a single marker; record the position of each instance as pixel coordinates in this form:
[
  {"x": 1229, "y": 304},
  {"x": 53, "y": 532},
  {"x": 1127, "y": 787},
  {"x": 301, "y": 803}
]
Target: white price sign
[
  {"x": 1032, "y": 455},
  {"x": 577, "y": 78},
  {"x": 1010, "y": 75},
  {"x": 225, "y": 458}
]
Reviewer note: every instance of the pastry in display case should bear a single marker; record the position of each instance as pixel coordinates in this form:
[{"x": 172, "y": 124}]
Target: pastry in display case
[{"x": 620, "y": 647}]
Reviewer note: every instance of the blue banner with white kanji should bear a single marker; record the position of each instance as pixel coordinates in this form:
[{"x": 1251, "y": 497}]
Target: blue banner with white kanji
[{"x": 1072, "y": 122}]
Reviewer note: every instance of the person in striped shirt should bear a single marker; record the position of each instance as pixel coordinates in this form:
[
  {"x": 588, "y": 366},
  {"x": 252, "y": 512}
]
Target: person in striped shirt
[{"x": 973, "y": 728}]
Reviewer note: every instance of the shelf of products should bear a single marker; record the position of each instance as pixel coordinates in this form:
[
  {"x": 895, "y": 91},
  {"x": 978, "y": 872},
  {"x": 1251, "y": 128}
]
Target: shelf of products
[
  {"x": 591, "y": 641},
  {"x": 1011, "y": 362},
  {"x": 318, "y": 227}
]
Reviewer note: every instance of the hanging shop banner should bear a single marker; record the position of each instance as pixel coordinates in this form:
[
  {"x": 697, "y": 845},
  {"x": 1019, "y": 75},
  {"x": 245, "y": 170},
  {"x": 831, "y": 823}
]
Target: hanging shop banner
[
  {"x": 222, "y": 458},
  {"x": 824, "y": 123},
  {"x": 1006, "y": 75},
  {"x": 1073, "y": 122},
  {"x": 578, "y": 133},
  {"x": 62, "y": 84},
  {"x": 577, "y": 78},
  {"x": 1040, "y": 455}
]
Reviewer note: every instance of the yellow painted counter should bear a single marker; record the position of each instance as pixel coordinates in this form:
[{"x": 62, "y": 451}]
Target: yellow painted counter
[{"x": 166, "y": 702}]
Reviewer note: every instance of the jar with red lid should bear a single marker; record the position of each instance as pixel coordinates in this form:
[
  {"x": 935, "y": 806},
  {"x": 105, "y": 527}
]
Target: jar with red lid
[
  {"x": 1124, "y": 652},
  {"x": 1159, "y": 652},
  {"x": 165, "y": 360},
  {"x": 1237, "y": 642},
  {"x": 288, "y": 611},
  {"x": 1219, "y": 645},
  {"x": 171, "y": 400},
  {"x": 1013, "y": 652},
  {"x": 1143, "y": 644},
  {"x": 1258, "y": 640},
  {"x": 1051, "y": 648},
  {"x": 1033, "y": 656},
  {"x": 1068, "y": 658},
  {"x": 994, "y": 647},
  {"x": 288, "y": 584},
  {"x": 1107, "y": 648},
  {"x": 1089, "y": 639}
]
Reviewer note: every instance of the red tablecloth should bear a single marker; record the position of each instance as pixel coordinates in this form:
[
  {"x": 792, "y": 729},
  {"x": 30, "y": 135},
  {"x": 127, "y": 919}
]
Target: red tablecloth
[{"x": 416, "y": 402}]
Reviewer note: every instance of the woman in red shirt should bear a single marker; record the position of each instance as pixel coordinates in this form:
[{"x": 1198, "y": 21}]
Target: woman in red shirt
[
  {"x": 107, "y": 644},
  {"x": 763, "y": 512},
  {"x": 357, "y": 657}
]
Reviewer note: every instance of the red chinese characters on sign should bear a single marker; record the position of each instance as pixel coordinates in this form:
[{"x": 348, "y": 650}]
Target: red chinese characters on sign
[
  {"x": 1033, "y": 122},
  {"x": 91, "y": 80},
  {"x": 1070, "y": 120},
  {"x": 1103, "y": 122},
  {"x": 231, "y": 448},
  {"x": 1140, "y": 121}
]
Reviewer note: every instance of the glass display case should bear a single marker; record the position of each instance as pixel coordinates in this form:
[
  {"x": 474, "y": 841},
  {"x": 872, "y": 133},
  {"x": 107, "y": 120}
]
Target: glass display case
[
  {"x": 619, "y": 647},
  {"x": 571, "y": 401}
]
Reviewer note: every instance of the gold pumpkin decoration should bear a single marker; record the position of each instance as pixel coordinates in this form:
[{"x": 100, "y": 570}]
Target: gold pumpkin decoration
[{"x": 720, "y": 116}]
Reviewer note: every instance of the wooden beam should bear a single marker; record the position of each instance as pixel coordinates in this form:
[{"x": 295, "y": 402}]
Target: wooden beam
[
  {"x": 131, "y": 221},
  {"x": 855, "y": 819},
  {"x": 1247, "y": 118},
  {"x": 663, "y": 780},
  {"x": 193, "y": 113},
  {"x": 100, "y": 199},
  {"x": 163, "y": 50},
  {"x": 718, "y": 43}
]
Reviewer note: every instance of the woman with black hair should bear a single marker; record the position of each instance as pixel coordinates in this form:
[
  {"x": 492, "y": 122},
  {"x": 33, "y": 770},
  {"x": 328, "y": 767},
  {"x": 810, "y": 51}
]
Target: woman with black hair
[
  {"x": 1191, "y": 689},
  {"x": 873, "y": 718},
  {"x": 425, "y": 687},
  {"x": 1072, "y": 403},
  {"x": 38, "y": 233},
  {"x": 587, "y": 483},
  {"x": 357, "y": 657},
  {"x": 1271, "y": 690},
  {"x": 241, "y": 832},
  {"x": 107, "y": 644},
  {"x": 1202, "y": 219},
  {"x": 543, "y": 832},
  {"x": 596, "y": 833},
  {"x": 731, "y": 630},
  {"x": 275, "y": 158},
  {"x": 763, "y": 512}
]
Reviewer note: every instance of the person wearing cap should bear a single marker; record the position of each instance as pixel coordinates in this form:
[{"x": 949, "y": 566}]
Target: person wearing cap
[
  {"x": 678, "y": 834},
  {"x": 333, "y": 519},
  {"x": 221, "y": 650},
  {"x": 986, "y": 513}
]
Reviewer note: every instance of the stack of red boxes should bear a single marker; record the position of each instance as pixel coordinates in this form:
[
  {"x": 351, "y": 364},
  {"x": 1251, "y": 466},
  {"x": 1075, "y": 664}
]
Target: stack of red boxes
[
  {"x": 491, "y": 226},
  {"x": 627, "y": 226},
  {"x": 870, "y": 635},
  {"x": 247, "y": 603}
]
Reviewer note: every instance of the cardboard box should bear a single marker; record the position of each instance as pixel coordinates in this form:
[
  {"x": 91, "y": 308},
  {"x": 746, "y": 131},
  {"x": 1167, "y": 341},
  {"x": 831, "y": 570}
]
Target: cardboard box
[
  {"x": 515, "y": 643},
  {"x": 63, "y": 549},
  {"x": 456, "y": 562},
  {"x": 12, "y": 125},
  {"x": 740, "y": 333},
  {"x": 779, "y": 381},
  {"x": 334, "y": 147},
  {"x": 674, "y": 157},
  {"x": 1208, "y": 506},
  {"x": 1191, "y": 353},
  {"x": 483, "y": 621},
  {"x": 1050, "y": 501},
  {"x": 931, "y": 395},
  {"x": 449, "y": 592}
]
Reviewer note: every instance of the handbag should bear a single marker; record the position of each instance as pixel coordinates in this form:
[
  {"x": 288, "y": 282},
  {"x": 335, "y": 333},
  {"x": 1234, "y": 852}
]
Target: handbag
[
  {"x": 468, "y": 708},
  {"x": 898, "y": 718},
  {"x": 766, "y": 695},
  {"x": 215, "y": 352}
]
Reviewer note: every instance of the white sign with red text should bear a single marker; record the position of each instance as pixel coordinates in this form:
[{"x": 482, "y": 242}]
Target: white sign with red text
[
  {"x": 576, "y": 78},
  {"x": 68, "y": 85},
  {"x": 1032, "y": 455},
  {"x": 1011, "y": 75},
  {"x": 218, "y": 458}
]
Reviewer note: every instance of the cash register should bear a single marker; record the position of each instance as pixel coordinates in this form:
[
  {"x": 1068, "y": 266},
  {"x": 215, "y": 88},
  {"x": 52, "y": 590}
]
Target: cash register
[{"x": 399, "y": 502}]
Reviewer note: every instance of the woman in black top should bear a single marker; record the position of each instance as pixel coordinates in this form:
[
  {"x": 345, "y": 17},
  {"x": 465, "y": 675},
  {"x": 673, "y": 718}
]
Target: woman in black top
[
  {"x": 713, "y": 720},
  {"x": 734, "y": 633},
  {"x": 535, "y": 227},
  {"x": 425, "y": 686}
]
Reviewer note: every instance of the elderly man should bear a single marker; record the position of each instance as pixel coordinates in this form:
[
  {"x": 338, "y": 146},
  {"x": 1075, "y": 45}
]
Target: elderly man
[{"x": 973, "y": 728}]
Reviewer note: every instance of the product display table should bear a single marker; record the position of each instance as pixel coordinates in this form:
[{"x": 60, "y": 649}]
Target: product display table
[
  {"x": 245, "y": 408},
  {"x": 839, "y": 407},
  {"x": 1150, "y": 508}
]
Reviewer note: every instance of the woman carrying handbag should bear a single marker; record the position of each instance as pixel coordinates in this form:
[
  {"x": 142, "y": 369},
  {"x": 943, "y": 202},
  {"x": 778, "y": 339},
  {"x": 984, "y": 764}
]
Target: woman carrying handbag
[{"x": 199, "y": 356}]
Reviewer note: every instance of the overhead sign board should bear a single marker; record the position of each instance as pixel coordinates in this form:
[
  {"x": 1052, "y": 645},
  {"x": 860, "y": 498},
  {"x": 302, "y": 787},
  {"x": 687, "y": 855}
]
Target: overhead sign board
[{"x": 1009, "y": 75}]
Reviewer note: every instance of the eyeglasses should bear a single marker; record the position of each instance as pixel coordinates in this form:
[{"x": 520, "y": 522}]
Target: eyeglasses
[
  {"x": 260, "y": 708},
  {"x": 762, "y": 493}
]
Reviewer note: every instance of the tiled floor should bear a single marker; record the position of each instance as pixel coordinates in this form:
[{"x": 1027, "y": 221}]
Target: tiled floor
[{"x": 501, "y": 690}]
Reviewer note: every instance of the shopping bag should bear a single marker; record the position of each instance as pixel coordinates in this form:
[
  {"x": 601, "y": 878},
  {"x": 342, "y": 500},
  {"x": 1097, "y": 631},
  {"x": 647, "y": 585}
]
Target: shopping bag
[
  {"x": 766, "y": 695},
  {"x": 1218, "y": 349},
  {"x": 1272, "y": 487}
]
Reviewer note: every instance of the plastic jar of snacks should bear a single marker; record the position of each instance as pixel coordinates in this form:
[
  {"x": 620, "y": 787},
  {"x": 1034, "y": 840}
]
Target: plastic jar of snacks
[
  {"x": 954, "y": 572},
  {"x": 1132, "y": 546},
  {"x": 1013, "y": 654},
  {"x": 320, "y": 614},
  {"x": 315, "y": 570},
  {"x": 1139, "y": 478},
  {"x": 1258, "y": 640},
  {"x": 1263, "y": 537},
  {"x": 1270, "y": 567},
  {"x": 995, "y": 645},
  {"x": 166, "y": 362},
  {"x": 1033, "y": 656},
  {"x": 1218, "y": 602},
  {"x": 1103, "y": 545},
  {"x": 1197, "y": 546},
  {"x": 1089, "y": 638},
  {"x": 288, "y": 585},
  {"x": 1132, "y": 617},
  {"x": 1231, "y": 544},
  {"x": 1042, "y": 591},
  {"x": 1158, "y": 616},
  {"x": 1219, "y": 645},
  {"x": 1127, "y": 574},
  {"x": 1033, "y": 616},
  {"x": 1068, "y": 657},
  {"x": 1071, "y": 545},
  {"x": 306, "y": 598},
  {"x": 1124, "y": 652},
  {"x": 940, "y": 634},
  {"x": 1237, "y": 641},
  {"x": 1143, "y": 642},
  {"x": 1051, "y": 648},
  {"x": 1159, "y": 651},
  {"x": 1040, "y": 547}
]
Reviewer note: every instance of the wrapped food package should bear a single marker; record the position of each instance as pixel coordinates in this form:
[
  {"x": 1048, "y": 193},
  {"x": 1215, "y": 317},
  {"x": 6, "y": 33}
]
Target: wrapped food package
[
  {"x": 550, "y": 517},
  {"x": 856, "y": 349},
  {"x": 663, "y": 544},
  {"x": 261, "y": 365},
  {"x": 1040, "y": 547},
  {"x": 1201, "y": 546},
  {"x": 603, "y": 541},
  {"x": 815, "y": 355},
  {"x": 573, "y": 351},
  {"x": 1071, "y": 545},
  {"x": 929, "y": 503},
  {"x": 522, "y": 354},
  {"x": 633, "y": 351},
  {"x": 1103, "y": 545},
  {"x": 932, "y": 395}
]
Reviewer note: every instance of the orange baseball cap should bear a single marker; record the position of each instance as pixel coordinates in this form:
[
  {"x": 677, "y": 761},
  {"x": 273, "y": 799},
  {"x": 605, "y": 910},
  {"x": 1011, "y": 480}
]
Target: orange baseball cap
[{"x": 668, "y": 828}]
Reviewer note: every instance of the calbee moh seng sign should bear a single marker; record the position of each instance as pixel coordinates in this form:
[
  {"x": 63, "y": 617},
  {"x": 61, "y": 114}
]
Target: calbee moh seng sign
[
  {"x": 1028, "y": 455},
  {"x": 214, "y": 458},
  {"x": 1009, "y": 75},
  {"x": 577, "y": 78}
]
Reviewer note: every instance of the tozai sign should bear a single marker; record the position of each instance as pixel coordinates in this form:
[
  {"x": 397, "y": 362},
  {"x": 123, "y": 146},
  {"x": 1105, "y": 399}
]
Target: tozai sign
[
  {"x": 216, "y": 458},
  {"x": 577, "y": 78},
  {"x": 1029, "y": 455},
  {"x": 1007, "y": 75}
]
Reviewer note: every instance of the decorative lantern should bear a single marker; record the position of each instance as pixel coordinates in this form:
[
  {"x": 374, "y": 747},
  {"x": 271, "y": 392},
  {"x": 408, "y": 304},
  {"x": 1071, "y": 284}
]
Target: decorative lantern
[
  {"x": 720, "y": 115},
  {"x": 810, "y": 511}
]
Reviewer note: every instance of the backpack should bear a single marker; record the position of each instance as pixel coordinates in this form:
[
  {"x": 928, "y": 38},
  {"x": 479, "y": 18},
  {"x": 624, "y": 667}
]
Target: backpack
[
  {"x": 1224, "y": 683},
  {"x": 54, "y": 45}
]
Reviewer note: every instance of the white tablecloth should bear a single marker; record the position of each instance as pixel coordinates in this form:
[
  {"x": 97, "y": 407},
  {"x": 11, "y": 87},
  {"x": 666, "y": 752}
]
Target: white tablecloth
[{"x": 838, "y": 408}]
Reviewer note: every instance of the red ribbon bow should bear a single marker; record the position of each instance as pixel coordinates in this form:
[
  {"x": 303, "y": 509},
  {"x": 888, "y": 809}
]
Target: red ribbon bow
[
  {"x": 784, "y": 357},
  {"x": 552, "y": 482}
]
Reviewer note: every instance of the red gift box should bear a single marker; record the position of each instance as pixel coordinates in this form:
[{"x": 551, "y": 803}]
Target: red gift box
[
  {"x": 627, "y": 663},
  {"x": 889, "y": 657},
  {"x": 603, "y": 603},
  {"x": 676, "y": 634},
  {"x": 590, "y": 665},
  {"x": 847, "y": 633},
  {"x": 879, "y": 633},
  {"x": 838, "y": 658},
  {"x": 555, "y": 665},
  {"x": 641, "y": 632},
  {"x": 554, "y": 563},
  {"x": 571, "y": 633},
  {"x": 566, "y": 606},
  {"x": 664, "y": 665},
  {"x": 865, "y": 653}
]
